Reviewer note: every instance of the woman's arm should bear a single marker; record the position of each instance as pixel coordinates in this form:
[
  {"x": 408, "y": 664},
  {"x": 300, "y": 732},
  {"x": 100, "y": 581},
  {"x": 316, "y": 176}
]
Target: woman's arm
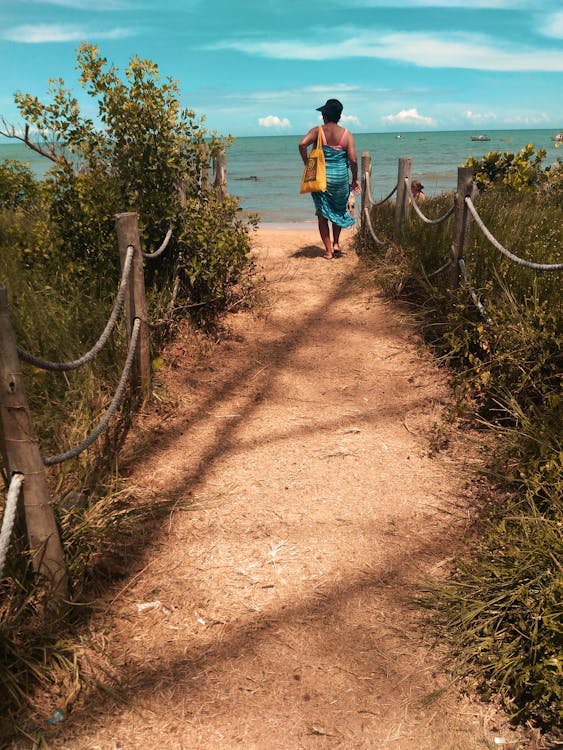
[
  {"x": 306, "y": 141},
  {"x": 353, "y": 161}
]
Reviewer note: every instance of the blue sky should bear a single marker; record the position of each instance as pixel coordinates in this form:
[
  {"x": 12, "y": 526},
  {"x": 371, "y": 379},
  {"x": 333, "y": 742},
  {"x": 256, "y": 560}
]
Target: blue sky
[{"x": 261, "y": 67}]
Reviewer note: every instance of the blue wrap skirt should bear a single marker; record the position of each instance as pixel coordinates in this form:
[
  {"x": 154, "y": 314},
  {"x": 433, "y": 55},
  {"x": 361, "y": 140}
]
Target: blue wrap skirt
[{"x": 333, "y": 204}]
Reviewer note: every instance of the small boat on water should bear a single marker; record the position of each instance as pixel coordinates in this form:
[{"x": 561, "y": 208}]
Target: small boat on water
[{"x": 480, "y": 137}]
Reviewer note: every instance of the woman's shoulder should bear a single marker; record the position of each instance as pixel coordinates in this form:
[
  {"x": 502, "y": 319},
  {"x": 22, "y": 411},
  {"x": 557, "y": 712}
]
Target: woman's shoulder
[{"x": 335, "y": 134}]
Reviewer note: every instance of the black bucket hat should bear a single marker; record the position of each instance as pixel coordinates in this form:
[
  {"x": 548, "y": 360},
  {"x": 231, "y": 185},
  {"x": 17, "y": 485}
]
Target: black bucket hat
[{"x": 332, "y": 108}]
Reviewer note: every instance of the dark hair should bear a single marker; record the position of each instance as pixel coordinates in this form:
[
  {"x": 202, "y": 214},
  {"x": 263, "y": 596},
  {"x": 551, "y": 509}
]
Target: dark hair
[
  {"x": 330, "y": 117},
  {"x": 331, "y": 110}
]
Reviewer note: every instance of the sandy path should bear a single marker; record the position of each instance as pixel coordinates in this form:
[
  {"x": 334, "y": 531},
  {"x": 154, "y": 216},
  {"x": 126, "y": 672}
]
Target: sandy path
[{"x": 303, "y": 439}]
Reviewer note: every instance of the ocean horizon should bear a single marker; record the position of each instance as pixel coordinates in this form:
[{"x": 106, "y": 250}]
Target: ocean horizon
[{"x": 264, "y": 171}]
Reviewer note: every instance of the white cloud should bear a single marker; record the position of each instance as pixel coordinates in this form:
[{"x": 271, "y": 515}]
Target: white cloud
[
  {"x": 311, "y": 93},
  {"x": 81, "y": 4},
  {"x": 408, "y": 117},
  {"x": 454, "y": 50},
  {"x": 473, "y": 4},
  {"x": 477, "y": 117},
  {"x": 273, "y": 121},
  {"x": 529, "y": 120},
  {"x": 52, "y": 32},
  {"x": 345, "y": 119},
  {"x": 334, "y": 88},
  {"x": 552, "y": 25},
  {"x": 350, "y": 120}
]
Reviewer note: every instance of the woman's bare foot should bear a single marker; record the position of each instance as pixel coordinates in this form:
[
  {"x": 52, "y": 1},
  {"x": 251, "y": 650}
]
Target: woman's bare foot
[
  {"x": 328, "y": 255},
  {"x": 336, "y": 251}
]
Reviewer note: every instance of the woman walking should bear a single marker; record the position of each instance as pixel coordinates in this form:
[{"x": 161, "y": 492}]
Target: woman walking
[{"x": 340, "y": 155}]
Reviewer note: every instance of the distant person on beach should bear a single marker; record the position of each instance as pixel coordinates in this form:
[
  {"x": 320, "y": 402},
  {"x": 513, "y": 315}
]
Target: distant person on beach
[
  {"x": 340, "y": 155},
  {"x": 416, "y": 189}
]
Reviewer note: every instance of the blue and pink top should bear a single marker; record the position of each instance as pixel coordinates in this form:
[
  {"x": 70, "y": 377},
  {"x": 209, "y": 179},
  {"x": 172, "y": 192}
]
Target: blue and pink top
[{"x": 340, "y": 145}]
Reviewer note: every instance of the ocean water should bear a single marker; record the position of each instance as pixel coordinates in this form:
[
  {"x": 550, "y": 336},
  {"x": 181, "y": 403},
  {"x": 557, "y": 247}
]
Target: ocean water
[
  {"x": 275, "y": 161},
  {"x": 265, "y": 171}
]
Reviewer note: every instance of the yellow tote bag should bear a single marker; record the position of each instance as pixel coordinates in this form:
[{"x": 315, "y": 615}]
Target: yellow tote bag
[{"x": 314, "y": 174}]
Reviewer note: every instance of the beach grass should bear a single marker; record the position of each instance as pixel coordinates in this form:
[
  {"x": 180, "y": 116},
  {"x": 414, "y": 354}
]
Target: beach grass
[
  {"x": 500, "y": 611},
  {"x": 60, "y": 297}
]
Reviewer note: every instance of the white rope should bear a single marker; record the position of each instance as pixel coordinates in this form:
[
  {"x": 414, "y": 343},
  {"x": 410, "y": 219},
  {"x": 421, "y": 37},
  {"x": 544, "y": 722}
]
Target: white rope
[
  {"x": 504, "y": 251},
  {"x": 438, "y": 270},
  {"x": 162, "y": 248},
  {"x": 474, "y": 297},
  {"x": 369, "y": 195},
  {"x": 384, "y": 200},
  {"x": 368, "y": 221},
  {"x": 367, "y": 189},
  {"x": 73, "y": 452},
  {"x": 44, "y": 364},
  {"x": 424, "y": 218},
  {"x": 9, "y": 518}
]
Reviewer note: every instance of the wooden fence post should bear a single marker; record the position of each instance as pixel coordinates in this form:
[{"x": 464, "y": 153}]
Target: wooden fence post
[
  {"x": 220, "y": 172},
  {"x": 181, "y": 188},
  {"x": 464, "y": 185},
  {"x": 204, "y": 167},
  {"x": 365, "y": 182},
  {"x": 402, "y": 205},
  {"x": 21, "y": 454},
  {"x": 136, "y": 302}
]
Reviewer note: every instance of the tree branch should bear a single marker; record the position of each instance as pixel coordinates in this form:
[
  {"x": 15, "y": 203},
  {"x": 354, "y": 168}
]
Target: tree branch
[{"x": 10, "y": 132}]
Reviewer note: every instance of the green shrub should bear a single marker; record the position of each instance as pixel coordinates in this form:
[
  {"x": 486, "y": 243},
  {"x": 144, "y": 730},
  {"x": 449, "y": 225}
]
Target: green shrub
[
  {"x": 501, "y": 611},
  {"x": 18, "y": 186},
  {"x": 502, "y": 614},
  {"x": 146, "y": 158},
  {"x": 216, "y": 254},
  {"x": 515, "y": 171},
  {"x": 59, "y": 260}
]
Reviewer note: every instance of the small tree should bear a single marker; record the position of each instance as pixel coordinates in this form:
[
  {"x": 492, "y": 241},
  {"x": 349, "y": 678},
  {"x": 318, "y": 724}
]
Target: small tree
[
  {"x": 146, "y": 157},
  {"x": 518, "y": 172}
]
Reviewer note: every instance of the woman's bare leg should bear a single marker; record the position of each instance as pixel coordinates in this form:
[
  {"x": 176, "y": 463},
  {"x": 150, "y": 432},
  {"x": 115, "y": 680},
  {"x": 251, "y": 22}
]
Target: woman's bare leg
[
  {"x": 335, "y": 238},
  {"x": 324, "y": 231}
]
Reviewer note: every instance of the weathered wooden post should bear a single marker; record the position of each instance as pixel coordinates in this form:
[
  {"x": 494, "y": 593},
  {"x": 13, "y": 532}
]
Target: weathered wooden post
[
  {"x": 21, "y": 454},
  {"x": 127, "y": 228},
  {"x": 365, "y": 182},
  {"x": 181, "y": 188},
  {"x": 220, "y": 172},
  {"x": 464, "y": 186},
  {"x": 204, "y": 167},
  {"x": 402, "y": 203}
]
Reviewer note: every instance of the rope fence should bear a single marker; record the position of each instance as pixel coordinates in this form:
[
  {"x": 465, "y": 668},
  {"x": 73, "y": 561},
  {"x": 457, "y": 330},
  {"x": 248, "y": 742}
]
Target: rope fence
[
  {"x": 157, "y": 253},
  {"x": 101, "y": 342},
  {"x": 424, "y": 218},
  {"x": 96, "y": 432},
  {"x": 514, "y": 258},
  {"x": 9, "y": 518},
  {"x": 463, "y": 210},
  {"x": 17, "y": 432},
  {"x": 384, "y": 200},
  {"x": 372, "y": 203},
  {"x": 446, "y": 265},
  {"x": 370, "y": 227},
  {"x": 18, "y": 439}
]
